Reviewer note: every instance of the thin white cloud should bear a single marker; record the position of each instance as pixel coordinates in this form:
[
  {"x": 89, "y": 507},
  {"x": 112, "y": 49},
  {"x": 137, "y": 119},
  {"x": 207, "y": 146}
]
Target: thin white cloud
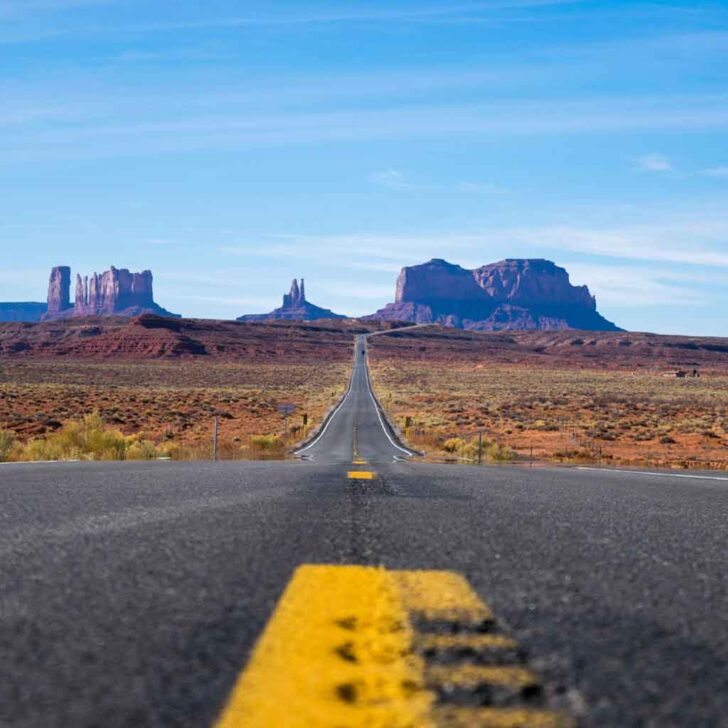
[
  {"x": 627, "y": 286},
  {"x": 692, "y": 243},
  {"x": 359, "y": 291},
  {"x": 239, "y": 130},
  {"x": 484, "y": 188},
  {"x": 300, "y": 16},
  {"x": 260, "y": 302},
  {"x": 14, "y": 8},
  {"x": 393, "y": 179},
  {"x": 699, "y": 242},
  {"x": 715, "y": 172},
  {"x": 159, "y": 241},
  {"x": 653, "y": 163}
]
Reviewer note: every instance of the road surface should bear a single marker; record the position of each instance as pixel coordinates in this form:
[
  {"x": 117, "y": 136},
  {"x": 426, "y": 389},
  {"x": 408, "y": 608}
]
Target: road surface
[
  {"x": 356, "y": 428},
  {"x": 133, "y": 593}
]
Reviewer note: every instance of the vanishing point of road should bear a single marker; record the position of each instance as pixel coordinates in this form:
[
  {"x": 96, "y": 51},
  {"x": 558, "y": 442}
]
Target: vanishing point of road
[{"x": 379, "y": 590}]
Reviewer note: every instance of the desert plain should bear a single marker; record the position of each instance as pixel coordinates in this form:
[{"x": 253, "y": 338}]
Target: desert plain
[{"x": 530, "y": 397}]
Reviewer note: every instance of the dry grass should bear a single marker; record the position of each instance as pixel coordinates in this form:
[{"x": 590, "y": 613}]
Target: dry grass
[
  {"x": 559, "y": 414},
  {"x": 171, "y": 406}
]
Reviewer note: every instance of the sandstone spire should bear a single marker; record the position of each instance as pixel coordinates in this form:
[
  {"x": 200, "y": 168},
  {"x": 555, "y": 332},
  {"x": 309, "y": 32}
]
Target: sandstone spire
[{"x": 59, "y": 290}]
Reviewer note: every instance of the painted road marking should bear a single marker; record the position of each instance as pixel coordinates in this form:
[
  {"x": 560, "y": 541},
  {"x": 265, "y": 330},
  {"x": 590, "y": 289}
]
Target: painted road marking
[
  {"x": 659, "y": 475},
  {"x": 355, "y": 646},
  {"x": 405, "y": 450},
  {"x": 360, "y": 475},
  {"x": 332, "y": 415}
]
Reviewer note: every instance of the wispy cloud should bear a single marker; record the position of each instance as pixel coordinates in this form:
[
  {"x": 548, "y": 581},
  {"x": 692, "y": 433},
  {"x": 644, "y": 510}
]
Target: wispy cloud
[
  {"x": 693, "y": 243},
  {"x": 287, "y": 16},
  {"x": 393, "y": 179},
  {"x": 715, "y": 172},
  {"x": 484, "y": 188},
  {"x": 259, "y": 302},
  {"x": 653, "y": 163},
  {"x": 359, "y": 291},
  {"x": 15, "y": 8},
  {"x": 244, "y": 130},
  {"x": 627, "y": 286}
]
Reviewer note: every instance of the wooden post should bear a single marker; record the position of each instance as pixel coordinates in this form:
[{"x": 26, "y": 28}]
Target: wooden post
[
  {"x": 214, "y": 438},
  {"x": 480, "y": 448}
]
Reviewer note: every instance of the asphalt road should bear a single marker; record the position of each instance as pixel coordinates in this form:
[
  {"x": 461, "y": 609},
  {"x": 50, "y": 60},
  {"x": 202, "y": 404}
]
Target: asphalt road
[
  {"x": 131, "y": 594},
  {"x": 357, "y": 428}
]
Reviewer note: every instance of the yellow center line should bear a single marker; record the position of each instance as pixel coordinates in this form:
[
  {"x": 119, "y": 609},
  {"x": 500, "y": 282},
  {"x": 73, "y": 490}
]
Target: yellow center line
[
  {"x": 352, "y": 646},
  {"x": 479, "y": 642},
  {"x": 361, "y": 475},
  {"x": 335, "y": 653},
  {"x": 499, "y": 718}
]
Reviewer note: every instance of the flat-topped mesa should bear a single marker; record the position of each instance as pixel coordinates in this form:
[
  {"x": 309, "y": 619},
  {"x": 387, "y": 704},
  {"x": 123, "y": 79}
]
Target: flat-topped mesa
[
  {"x": 436, "y": 280},
  {"x": 295, "y": 308},
  {"x": 511, "y": 294},
  {"x": 116, "y": 292},
  {"x": 526, "y": 282}
]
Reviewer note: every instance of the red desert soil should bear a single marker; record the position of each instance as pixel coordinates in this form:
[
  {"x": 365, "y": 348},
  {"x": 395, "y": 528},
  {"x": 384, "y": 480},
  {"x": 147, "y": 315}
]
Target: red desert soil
[
  {"x": 566, "y": 396},
  {"x": 152, "y": 337},
  {"x": 570, "y": 395}
]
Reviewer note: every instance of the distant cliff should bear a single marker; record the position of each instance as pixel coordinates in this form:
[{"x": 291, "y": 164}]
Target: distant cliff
[
  {"x": 295, "y": 308},
  {"x": 515, "y": 294},
  {"x": 28, "y": 311},
  {"x": 116, "y": 292}
]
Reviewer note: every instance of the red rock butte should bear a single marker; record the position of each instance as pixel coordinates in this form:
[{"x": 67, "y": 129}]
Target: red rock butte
[
  {"x": 513, "y": 294},
  {"x": 116, "y": 292}
]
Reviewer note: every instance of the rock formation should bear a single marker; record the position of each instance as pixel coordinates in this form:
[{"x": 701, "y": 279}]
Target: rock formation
[
  {"x": 295, "y": 308},
  {"x": 59, "y": 291},
  {"x": 116, "y": 292},
  {"x": 512, "y": 294},
  {"x": 113, "y": 291}
]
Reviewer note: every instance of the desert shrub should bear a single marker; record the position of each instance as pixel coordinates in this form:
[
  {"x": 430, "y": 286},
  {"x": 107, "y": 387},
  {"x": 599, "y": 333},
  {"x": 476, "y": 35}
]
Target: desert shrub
[
  {"x": 7, "y": 444},
  {"x": 453, "y": 445},
  {"x": 468, "y": 449},
  {"x": 544, "y": 426},
  {"x": 578, "y": 456},
  {"x": 265, "y": 442},
  {"x": 87, "y": 439},
  {"x": 498, "y": 453},
  {"x": 140, "y": 449}
]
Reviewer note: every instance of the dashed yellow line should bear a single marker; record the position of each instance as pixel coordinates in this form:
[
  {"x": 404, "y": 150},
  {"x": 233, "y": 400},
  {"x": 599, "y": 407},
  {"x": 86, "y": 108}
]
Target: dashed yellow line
[
  {"x": 356, "y": 646},
  {"x": 498, "y": 718},
  {"x": 441, "y": 596},
  {"x": 361, "y": 475},
  {"x": 479, "y": 642}
]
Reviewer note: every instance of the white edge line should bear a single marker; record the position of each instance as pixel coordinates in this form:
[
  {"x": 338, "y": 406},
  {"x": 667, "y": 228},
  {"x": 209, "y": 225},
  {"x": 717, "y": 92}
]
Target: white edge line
[
  {"x": 43, "y": 462},
  {"x": 331, "y": 417},
  {"x": 659, "y": 475},
  {"x": 381, "y": 421},
  {"x": 326, "y": 426},
  {"x": 409, "y": 453}
]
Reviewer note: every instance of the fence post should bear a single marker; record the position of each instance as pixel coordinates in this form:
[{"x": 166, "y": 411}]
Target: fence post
[
  {"x": 480, "y": 448},
  {"x": 214, "y": 438}
]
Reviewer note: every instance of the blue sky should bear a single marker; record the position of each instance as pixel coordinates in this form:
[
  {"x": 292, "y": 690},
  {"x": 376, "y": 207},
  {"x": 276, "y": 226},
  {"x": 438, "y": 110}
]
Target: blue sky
[{"x": 230, "y": 146}]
